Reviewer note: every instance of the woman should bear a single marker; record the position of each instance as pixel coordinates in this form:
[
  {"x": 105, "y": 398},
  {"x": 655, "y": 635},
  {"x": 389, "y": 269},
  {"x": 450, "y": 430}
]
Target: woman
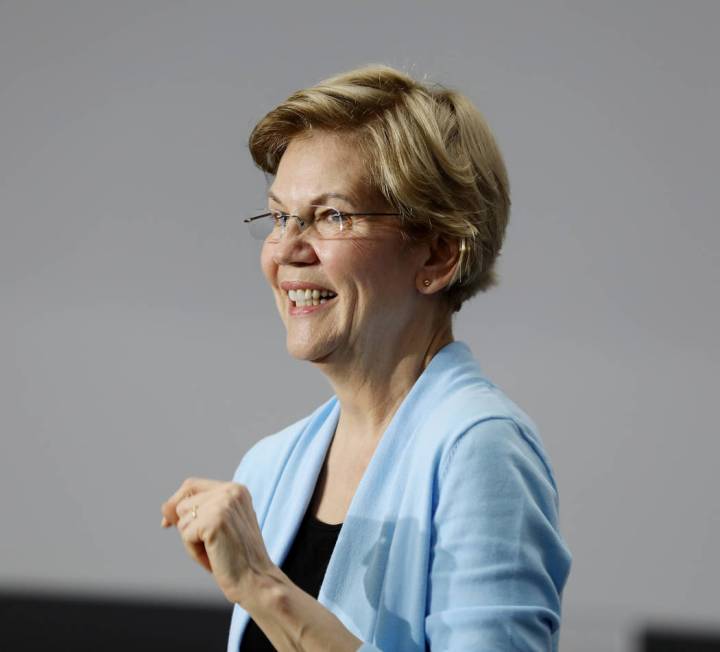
[{"x": 416, "y": 508}]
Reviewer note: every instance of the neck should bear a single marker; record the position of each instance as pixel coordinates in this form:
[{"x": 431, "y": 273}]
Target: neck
[{"x": 370, "y": 389}]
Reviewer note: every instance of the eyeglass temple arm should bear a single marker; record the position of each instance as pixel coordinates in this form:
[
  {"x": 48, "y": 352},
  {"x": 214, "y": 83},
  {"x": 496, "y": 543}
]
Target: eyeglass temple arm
[
  {"x": 351, "y": 214},
  {"x": 257, "y": 217}
]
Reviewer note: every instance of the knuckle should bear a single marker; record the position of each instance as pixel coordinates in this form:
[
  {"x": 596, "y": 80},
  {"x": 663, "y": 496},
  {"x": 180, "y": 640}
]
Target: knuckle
[{"x": 236, "y": 491}]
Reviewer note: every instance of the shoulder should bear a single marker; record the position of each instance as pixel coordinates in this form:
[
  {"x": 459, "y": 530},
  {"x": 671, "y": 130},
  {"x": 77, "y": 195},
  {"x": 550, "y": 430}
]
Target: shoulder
[
  {"x": 501, "y": 436},
  {"x": 470, "y": 413},
  {"x": 499, "y": 452}
]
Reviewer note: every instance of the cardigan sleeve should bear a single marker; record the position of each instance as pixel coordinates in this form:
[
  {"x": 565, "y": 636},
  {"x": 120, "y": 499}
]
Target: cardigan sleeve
[{"x": 497, "y": 561}]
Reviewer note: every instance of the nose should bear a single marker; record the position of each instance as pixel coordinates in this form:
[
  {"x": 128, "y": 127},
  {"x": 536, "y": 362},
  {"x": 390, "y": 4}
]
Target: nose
[{"x": 293, "y": 247}]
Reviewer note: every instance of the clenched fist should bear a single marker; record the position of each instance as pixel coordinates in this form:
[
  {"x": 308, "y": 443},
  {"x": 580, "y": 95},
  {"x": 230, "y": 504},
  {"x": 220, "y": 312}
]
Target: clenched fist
[{"x": 219, "y": 529}]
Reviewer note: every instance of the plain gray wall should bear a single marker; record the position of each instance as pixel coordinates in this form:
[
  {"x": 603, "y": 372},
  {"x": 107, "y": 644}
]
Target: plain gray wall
[{"x": 139, "y": 345}]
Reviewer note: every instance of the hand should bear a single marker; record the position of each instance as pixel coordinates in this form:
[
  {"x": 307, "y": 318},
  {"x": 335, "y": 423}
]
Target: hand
[{"x": 219, "y": 530}]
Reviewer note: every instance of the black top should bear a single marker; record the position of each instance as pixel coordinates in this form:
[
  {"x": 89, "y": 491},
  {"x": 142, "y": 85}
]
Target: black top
[{"x": 305, "y": 565}]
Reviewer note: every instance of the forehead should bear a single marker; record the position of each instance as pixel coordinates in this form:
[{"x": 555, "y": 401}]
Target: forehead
[{"x": 321, "y": 164}]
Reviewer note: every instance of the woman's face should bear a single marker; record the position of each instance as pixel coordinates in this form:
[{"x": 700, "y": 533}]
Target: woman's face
[{"x": 372, "y": 271}]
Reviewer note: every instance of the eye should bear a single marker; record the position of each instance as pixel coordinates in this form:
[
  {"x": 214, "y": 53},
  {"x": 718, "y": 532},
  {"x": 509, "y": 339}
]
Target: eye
[
  {"x": 279, "y": 218},
  {"x": 336, "y": 218}
]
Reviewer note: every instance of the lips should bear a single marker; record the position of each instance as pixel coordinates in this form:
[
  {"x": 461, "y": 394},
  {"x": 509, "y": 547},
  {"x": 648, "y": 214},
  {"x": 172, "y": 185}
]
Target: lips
[{"x": 303, "y": 285}]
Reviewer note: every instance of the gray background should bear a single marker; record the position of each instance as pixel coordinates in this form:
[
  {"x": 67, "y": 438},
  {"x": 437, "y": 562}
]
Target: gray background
[{"x": 139, "y": 345}]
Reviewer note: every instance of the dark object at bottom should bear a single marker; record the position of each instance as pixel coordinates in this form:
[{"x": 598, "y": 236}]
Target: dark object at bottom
[
  {"x": 58, "y": 623},
  {"x": 679, "y": 640}
]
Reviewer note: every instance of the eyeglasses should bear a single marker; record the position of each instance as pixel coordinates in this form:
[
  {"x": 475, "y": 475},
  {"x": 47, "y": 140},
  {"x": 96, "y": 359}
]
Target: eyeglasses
[{"x": 327, "y": 221}]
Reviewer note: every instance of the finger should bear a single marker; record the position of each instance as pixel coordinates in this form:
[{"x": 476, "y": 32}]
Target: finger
[
  {"x": 190, "y": 486},
  {"x": 198, "y": 553},
  {"x": 191, "y": 533},
  {"x": 196, "y": 550},
  {"x": 219, "y": 493},
  {"x": 191, "y": 503}
]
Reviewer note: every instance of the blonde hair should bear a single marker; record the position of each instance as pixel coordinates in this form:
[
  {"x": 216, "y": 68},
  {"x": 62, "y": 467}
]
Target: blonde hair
[{"x": 430, "y": 154}]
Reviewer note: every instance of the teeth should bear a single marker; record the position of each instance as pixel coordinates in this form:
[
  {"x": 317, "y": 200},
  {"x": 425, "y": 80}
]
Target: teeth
[{"x": 310, "y": 297}]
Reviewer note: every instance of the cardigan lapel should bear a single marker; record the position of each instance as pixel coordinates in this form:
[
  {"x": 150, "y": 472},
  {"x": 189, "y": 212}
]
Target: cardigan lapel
[
  {"x": 297, "y": 482},
  {"x": 290, "y": 497}
]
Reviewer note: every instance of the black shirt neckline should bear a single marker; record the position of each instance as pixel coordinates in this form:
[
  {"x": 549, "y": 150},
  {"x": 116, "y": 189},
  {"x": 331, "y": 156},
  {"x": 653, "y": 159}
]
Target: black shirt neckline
[{"x": 314, "y": 522}]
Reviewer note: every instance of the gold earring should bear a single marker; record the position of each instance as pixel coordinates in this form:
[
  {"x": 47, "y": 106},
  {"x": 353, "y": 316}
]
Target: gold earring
[{"x": 427, "y": 282}]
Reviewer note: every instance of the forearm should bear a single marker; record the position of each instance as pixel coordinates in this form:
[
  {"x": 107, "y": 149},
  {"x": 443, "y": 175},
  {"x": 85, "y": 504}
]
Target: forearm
[{"x": 293, "y": 620}]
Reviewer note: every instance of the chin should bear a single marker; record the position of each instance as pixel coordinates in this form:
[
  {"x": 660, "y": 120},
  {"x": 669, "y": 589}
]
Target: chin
[{"x": 309, "y": 351}]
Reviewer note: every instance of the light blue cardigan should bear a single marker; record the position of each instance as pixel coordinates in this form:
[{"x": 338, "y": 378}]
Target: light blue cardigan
[{"x": 451, "y": 540}]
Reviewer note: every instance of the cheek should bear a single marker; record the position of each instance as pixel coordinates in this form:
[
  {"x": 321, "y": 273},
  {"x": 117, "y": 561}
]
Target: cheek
[
  {"x": 267, "y": 264},
  {"x": 373, "y": 274},
  {"x": 352, "y": 259}
]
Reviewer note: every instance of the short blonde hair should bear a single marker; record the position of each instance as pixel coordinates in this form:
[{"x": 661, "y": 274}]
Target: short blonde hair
[{"x": 430, "y": 154}]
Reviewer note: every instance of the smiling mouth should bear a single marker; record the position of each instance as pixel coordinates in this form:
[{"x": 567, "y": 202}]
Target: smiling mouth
[{"x": 304, "y": 298}]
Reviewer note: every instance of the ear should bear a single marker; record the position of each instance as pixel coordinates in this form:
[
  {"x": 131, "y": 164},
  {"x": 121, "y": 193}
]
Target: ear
[{"x": 438, "y": 269}]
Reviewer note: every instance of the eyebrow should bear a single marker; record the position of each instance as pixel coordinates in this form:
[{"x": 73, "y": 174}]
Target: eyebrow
[{"x": 320, "y": 199}]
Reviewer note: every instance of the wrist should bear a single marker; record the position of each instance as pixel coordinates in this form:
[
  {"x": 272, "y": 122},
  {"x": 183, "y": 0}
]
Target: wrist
[
  {"x": 291, "y": 618},
  {"x": 264, "y": 590}
]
